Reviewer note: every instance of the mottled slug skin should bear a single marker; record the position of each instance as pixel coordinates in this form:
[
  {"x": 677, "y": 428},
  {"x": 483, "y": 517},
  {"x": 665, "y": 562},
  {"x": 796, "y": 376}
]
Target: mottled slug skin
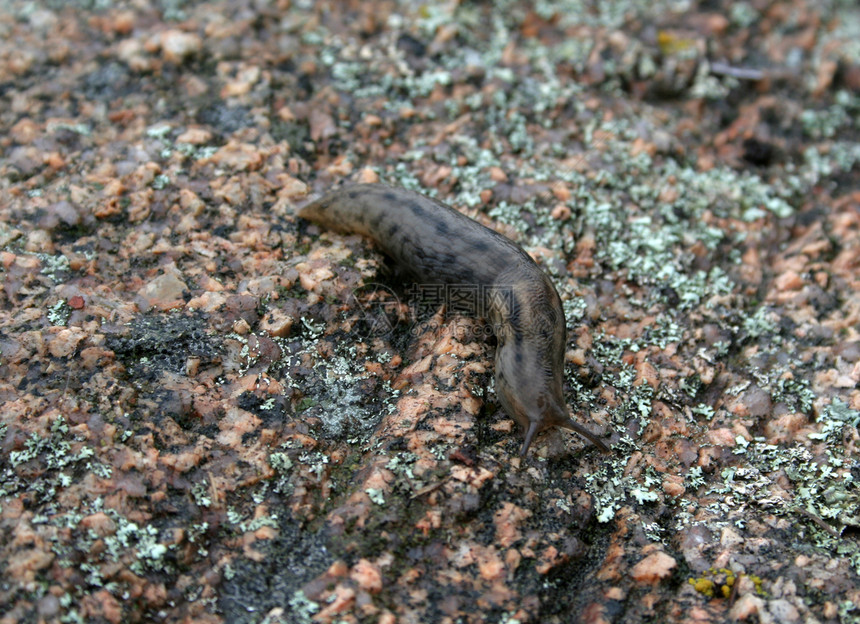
[{"x": 438, "y": 245}]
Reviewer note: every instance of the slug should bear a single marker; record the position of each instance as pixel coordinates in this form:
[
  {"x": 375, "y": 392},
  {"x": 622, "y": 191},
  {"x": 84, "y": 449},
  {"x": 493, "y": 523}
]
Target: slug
[{"x": 438, "y": 245}]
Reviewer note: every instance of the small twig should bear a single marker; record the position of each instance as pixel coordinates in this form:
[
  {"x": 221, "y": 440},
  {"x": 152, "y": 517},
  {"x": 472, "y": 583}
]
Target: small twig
[
  {"x": 733, "y": 595},
  {"x": 741, "y": 73},
  {"x": 819, "y": 522},
  {"x": 428, "y": 488}
]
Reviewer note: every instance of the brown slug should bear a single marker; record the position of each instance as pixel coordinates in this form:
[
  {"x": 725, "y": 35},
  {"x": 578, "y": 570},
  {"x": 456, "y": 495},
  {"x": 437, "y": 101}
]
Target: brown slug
[{"x": 439, "y": 245}]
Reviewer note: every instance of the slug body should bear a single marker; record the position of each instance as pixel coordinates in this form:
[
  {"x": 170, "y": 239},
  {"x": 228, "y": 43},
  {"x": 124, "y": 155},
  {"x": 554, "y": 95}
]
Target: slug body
[{"x": 438, "y": 245}]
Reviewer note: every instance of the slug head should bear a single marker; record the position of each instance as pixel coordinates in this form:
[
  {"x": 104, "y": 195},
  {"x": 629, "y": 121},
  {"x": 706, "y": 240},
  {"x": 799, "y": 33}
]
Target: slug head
[
  {"x": 536, "y": 404},
  {"x": 529, "y": 398},
  {"x": 528, "y": 320}
]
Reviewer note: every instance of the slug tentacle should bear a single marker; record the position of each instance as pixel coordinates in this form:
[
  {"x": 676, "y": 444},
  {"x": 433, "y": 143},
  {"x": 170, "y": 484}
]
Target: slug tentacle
[{"x": 439, "y": 245}]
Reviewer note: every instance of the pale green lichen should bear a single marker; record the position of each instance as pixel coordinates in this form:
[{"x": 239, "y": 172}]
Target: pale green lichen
[
  {"x": 195, "y": 534},
  {"x": 611, "y": 488},
  {"x": 694, "y": 478},
  {"x": 200, "y": 493},
  {"x": 703, "y": 410},
  {"x": 315, "y": 460},
  {"x": 826, "y": 123},
  {"x": 826, "y": 491},
  {"x": 234, "y": 517},
  {"x": 762, "y": 322},
  {"x": 376, "y": 496},
  {"x": 160, "y": 181},
  {"x": 280, "y": 462},
  {"x": 78, "y": 128},
  {"x": 401, "y": 464},
  {"x": 743, "y": 14},
  {"x": 302, "y": 608},
  {"x": 574, "y": 307},
  {"x": 796, "y": 392},
  {"x": 53, "y": 265},
  {"x": 833, "y": 419},
  {"x": 54, "y": 450},
  {"x": 159, "y": 131},
  {"x": 253, "y": 524},
  {"x": 283, "y": 467},
  {"x": 849, "y": 613}
]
